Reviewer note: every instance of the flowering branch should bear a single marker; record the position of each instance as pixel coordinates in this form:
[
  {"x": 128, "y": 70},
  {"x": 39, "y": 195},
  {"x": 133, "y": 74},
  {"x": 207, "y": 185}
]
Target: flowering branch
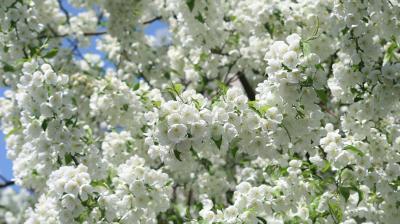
[
  {"x": 6, "y": 182},
  {"x": 246, "y": 86}
]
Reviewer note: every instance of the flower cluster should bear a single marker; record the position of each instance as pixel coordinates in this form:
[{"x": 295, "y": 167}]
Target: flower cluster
[
  {"x": 140, "y": 193},
  {"x": 68, "y": 188},
  {"x": 13, "y": 205}
]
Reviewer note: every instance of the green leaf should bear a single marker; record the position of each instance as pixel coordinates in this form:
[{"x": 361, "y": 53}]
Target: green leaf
[
  {"x": 354, "y": 150},
  {"x": 190, "y": 4},
  {"x": 68, "y": 158},
  {"x": 345, "y": 192},
  {"x": 263, "y": 221},
  {"x": 270, "y": 28},
  {"x": 234, "y": 151},
  {"x": 222, "y": 87},
  {"x": 322, "y": 95},
  {"x": 263, "y": 109},
  {"x": 178, "y": 88},
  {"x": 307, "y": 83},
  {"x": 253, "y": 106},
  {"x": 319, "y": 67},
  {"x": 125, "y": 107},
  {"x": 326, "y": 167},
  {"x": 136, "y": 86},
  {"x": 177, "y": 155},
  {"x": 218, "y": 142},
  {"x": 286, "y": 68},
  {"x": 200, "y": 18},
  {"x": 206, "y": 163},
  {"x": 53, "y": 52},
  {"x": 157, "y": 103},
  {"x": 13, "y": 131},
  {"x": 305, "y": 47},
  {"x": 45, "y": 123},
  {"x": 359, "y": 192},
  {"x": 335, "y": 211},
  {"x": 8, "y": 68},
  {"x": 99, "y": 183}
]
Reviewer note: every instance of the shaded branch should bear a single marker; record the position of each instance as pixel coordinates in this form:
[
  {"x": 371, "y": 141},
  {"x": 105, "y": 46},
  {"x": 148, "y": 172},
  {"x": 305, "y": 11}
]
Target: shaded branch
[
  {"x": 64, "y": 10},
  {"x": 152, "y": 20},
  {"x": 7, "y": 183},
  {"x": 246, "y": 86}
]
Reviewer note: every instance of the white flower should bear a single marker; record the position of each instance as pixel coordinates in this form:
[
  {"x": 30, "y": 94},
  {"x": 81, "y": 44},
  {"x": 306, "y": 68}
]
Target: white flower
[
  {"x": 198, "y": 129},
  {"x": 34, "y": 129},
  {"x": 177, "y": 132},
  {"x": 294, "y": 41},
  {"x": 290, "y": 59}
]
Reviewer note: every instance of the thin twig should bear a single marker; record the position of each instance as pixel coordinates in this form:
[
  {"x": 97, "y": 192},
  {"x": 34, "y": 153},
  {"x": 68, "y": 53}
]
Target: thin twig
[
  {"x": 64, "y": 11},
  {"x": 152, "y": 20},
  {"x": 6, "y": 182}
]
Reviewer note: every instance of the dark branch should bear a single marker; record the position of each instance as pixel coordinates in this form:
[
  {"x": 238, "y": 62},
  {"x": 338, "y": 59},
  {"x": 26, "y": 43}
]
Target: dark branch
[
  {"x": 6, "y": 183},
  {"x": 64, "y": 10},
  {"x": 88, "y": 34},
  {"x": 152, "y": 20},
  {"x": 246, "y": 86}
]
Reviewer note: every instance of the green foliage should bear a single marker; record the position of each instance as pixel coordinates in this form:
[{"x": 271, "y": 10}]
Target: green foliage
[{"x": 354, "y": 150}]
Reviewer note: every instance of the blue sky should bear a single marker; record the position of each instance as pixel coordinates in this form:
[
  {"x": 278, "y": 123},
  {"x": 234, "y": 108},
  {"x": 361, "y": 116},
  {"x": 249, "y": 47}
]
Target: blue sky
[
  {"x": 155, "y": 29},
  {"x": 5, "y": 164}
]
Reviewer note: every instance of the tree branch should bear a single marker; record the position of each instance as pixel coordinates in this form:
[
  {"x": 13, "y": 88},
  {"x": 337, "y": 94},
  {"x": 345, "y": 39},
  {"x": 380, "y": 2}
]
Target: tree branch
[
  {"x": 64, "y": 10},
  {"x": 6, "y": 182},
  {"x": 246, "y": 86},
  {"x": 152, "y": 20}
]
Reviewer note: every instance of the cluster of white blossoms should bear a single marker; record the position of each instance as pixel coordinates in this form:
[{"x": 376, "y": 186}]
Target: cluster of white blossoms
[
  {"x": 139, "y": 193},
  {"x": 13, "y": 204},
  {"x": 67, "y": 189},
  {"x": 253, "y": 111}
]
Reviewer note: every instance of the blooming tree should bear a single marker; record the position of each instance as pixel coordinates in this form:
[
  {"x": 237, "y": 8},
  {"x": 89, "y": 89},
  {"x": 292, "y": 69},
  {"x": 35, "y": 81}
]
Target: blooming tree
[{"x": 250, "y": 111}]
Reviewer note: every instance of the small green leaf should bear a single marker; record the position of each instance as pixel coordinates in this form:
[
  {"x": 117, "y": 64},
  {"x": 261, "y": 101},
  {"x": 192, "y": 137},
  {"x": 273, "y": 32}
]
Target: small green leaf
[
  {"x": 354, "y": 150},
  {"x": 177, "y": 155},
  {"x": 125, "y": 107},
  {"x": 335, "y": 211},
  {"x": 345, "y": 192},
  {"x": 178, "y": 88},
  {"x": 223, "y": 88},
  {"x": 45, "y": 123},
  {"x": 53, "y": 52},
  {"x": 359, "y": 192},
  {"x": 218, "y": 142},
  {"x": 68, "y": 158},
  {"x": 8, "y": 68},
  {"x": 326, "y": 167},
  {"x": 263, "y": 109},
  {"x": 322, "y": 95},
  {"x": 200, "y": 18},
  {"x": 307, "y": 83},
  {"x": 263, "y": 221},
  {"x": 136, "y": 86},
  {"x": 234, "y": 151},
  {"x": 270, "y": 28},
  {"x": 99, "y": 183},
  {"x": 13, "y": 131},
  {"x": 190, "y": 4},
  {"x": 305, "y": 47},
  {"x": 206, "y": 163},
  {"x": 157, "y": 103},
  {"x": 319, "y": 67},
  {"x": 286, "y": 68},
  {"x": 253, "y": 106}
]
